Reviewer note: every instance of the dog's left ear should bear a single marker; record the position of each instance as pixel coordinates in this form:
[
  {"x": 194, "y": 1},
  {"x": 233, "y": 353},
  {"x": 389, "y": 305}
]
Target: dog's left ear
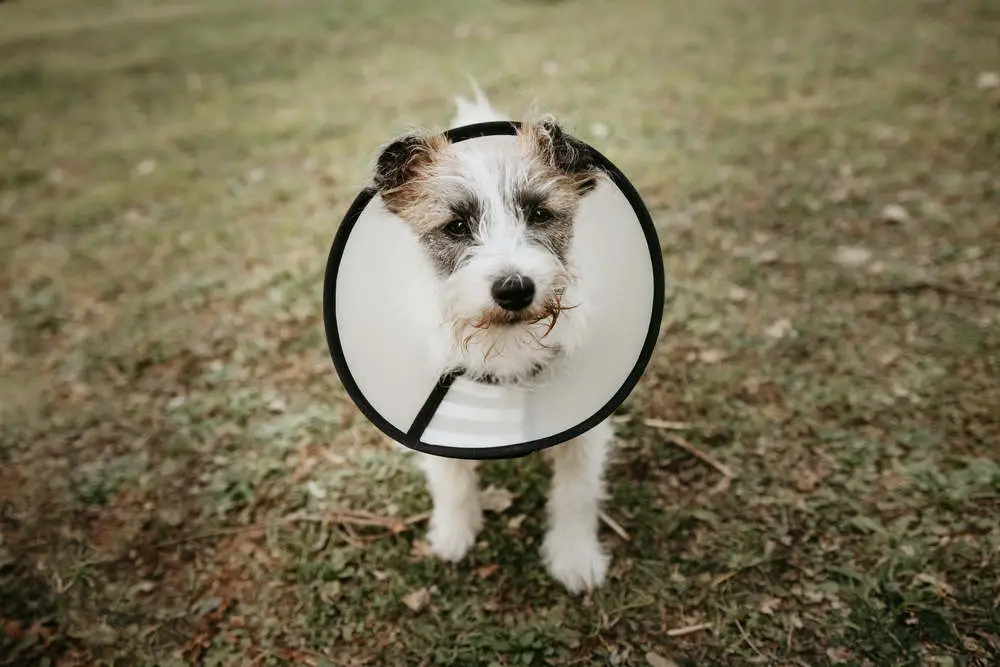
[
  {"x": 566, "y": 153},
  {"x": 403, "y": 160}
]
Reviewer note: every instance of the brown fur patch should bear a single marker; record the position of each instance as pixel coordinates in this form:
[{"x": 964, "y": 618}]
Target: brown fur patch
[
  {"x": 568, "y": 159},
  {"x": 404, "y": 167}
]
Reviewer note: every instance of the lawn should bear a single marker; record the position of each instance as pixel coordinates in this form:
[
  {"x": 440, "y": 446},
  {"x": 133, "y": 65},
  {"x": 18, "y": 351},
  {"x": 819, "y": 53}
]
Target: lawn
[{"x": 183, "y": 480}]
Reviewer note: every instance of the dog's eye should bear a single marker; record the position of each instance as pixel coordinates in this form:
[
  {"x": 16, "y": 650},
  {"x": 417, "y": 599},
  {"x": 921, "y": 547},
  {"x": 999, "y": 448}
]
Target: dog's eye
[
  {"x": 458, "y": 229},
  {"x": 538, "y": 215}
]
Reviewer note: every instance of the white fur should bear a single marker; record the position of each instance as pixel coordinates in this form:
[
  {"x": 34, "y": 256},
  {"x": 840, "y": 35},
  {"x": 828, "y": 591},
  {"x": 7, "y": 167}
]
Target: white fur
[
  {"x": 466, "y": 294},
  {"x": 572, "y": 552},
  {"x": 492, "y": 168},
  {"x": 478, "y": 110},
  {"x": 457, "y": 517}
]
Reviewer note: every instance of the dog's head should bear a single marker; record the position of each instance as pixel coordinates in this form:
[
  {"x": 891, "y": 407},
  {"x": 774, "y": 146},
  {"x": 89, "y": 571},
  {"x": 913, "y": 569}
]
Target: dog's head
[{"x": 496, "y": 223}]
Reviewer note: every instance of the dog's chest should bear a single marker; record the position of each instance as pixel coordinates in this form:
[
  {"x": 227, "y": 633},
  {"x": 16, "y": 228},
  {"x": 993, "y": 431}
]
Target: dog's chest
[{"x": 473, "y": 414}]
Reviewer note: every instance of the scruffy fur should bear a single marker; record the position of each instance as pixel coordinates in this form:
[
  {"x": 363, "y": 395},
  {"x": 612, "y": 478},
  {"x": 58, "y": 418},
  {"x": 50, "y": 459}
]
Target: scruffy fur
[{"x": 486, "y": 211}]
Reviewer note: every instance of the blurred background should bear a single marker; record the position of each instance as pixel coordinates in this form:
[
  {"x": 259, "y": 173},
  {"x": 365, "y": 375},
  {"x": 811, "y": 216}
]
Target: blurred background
[{"x": 183, "y": 481}]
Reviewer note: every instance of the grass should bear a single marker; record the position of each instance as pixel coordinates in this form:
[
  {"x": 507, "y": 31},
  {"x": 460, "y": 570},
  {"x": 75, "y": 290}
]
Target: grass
[{"x": 176, "y": 450}]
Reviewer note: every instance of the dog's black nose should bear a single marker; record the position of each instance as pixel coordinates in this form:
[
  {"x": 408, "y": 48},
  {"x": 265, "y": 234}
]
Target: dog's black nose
[{"x": 513, "y": 292}]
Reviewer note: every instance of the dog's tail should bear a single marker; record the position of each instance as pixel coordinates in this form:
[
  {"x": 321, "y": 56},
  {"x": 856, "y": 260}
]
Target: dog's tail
[{"x": 477, "y": 110}]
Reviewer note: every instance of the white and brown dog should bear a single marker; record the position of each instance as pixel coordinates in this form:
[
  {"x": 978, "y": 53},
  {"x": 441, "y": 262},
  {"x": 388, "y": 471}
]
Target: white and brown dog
[{"x": 496, "y": 222}]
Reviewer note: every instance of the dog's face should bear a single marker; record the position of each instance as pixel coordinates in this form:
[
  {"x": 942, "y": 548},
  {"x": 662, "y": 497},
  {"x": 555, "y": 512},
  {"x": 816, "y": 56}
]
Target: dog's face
[{"x": 497, "y": 225}]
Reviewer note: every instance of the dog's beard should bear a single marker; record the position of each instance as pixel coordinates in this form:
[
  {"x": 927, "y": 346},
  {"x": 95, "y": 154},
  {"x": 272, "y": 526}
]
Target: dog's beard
[
  {"x": 511, "y": 345},
  {"x": 537, "y": 323}
]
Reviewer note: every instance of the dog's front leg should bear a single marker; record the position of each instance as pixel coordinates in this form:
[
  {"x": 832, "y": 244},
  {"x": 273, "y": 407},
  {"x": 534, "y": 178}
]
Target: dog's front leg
[
  {"x": 457, "y": 517},
  {"x": 572, "y": 551}
]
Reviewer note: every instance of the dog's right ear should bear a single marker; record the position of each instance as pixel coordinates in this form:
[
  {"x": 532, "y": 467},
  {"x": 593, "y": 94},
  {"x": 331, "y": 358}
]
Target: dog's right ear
[
  {"x": 565, "y": 153},
  {"x": 405, "y": 159}
]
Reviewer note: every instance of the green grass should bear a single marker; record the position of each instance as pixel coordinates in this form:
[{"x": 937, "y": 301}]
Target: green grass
[{"x": 175, "y": 447}]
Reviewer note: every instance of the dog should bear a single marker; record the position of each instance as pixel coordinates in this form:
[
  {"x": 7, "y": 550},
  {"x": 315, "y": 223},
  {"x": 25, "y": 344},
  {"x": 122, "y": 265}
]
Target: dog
[{"x": 496, "y": 221}]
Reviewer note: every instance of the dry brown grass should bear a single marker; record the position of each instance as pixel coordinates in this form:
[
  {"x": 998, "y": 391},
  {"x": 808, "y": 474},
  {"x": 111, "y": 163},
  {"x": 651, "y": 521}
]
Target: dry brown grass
[{"x": 824, "y": 178}]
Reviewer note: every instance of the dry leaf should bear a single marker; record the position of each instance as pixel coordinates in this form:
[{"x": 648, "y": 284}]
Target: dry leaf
[
  {"x": 485, "y": 571},
  {"x": 895, "y": 213},
  {"x": 887, "y": 357},
  {"x": 781, "y": 329},
  {"x": 417, "y": 600},
  {"x": 852, "y": 257},
  {"x": 970, "y": 645},
  {"x": 494, "y": 499},
  {"x": 766, "y": 257},
  {"x": 839, "y": 655},
  {"x": 806, "y": 481},
  {"x": 666, "y": 425},
  {"x": 13, "y": 629},
  {"x": 769, "y": 605},
  {"x": 939, "y": 586},
  {"x": 171, "y": 516},
  {"x": 738, "y": 294},
  {"x": 515, "y": 522},
  {"x": 145, "y": 586},
  {"x": 146, "y": 167},
  {"x": 420, "y": 549},
  {"x": 657, "y": 660},
  {"x": 987, "y": 80},
  {"x": 711, "y": 356},
  {"x": 334, "y": 459}
]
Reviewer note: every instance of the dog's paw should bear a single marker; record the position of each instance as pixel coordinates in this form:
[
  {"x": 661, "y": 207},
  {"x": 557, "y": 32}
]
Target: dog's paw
[
  {"x": 451, "y": 537},
  {"x": 578, "y": 564}
]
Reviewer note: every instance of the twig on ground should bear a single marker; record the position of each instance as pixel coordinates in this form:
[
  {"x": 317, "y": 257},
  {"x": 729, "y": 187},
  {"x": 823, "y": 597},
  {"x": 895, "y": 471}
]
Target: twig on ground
[
  {"x": 667, "y": 425},
  {"x": 358, "y": 518},
  {"x": 723, "y": 578},
  {"x": 417, "y": 518},
  {"x": 320, "y": 545},
  {"x": 749, "y": 641},
  {"x": 222, "y": 532},
  {"x": 680, "y": 632},
  {"x": 721, "y": 486},
  {"x": 613, "y": 525},
  {"x": 707, "y": 458},
  {"x": 345, "y": 518},
  {"x": 933, "y": 286},
  {"x": 350, "y": 534}
]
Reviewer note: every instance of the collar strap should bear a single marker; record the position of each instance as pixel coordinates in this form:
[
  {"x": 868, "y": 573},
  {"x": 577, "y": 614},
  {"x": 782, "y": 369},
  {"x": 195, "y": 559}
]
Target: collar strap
[{"x": 490, "y": 378}]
